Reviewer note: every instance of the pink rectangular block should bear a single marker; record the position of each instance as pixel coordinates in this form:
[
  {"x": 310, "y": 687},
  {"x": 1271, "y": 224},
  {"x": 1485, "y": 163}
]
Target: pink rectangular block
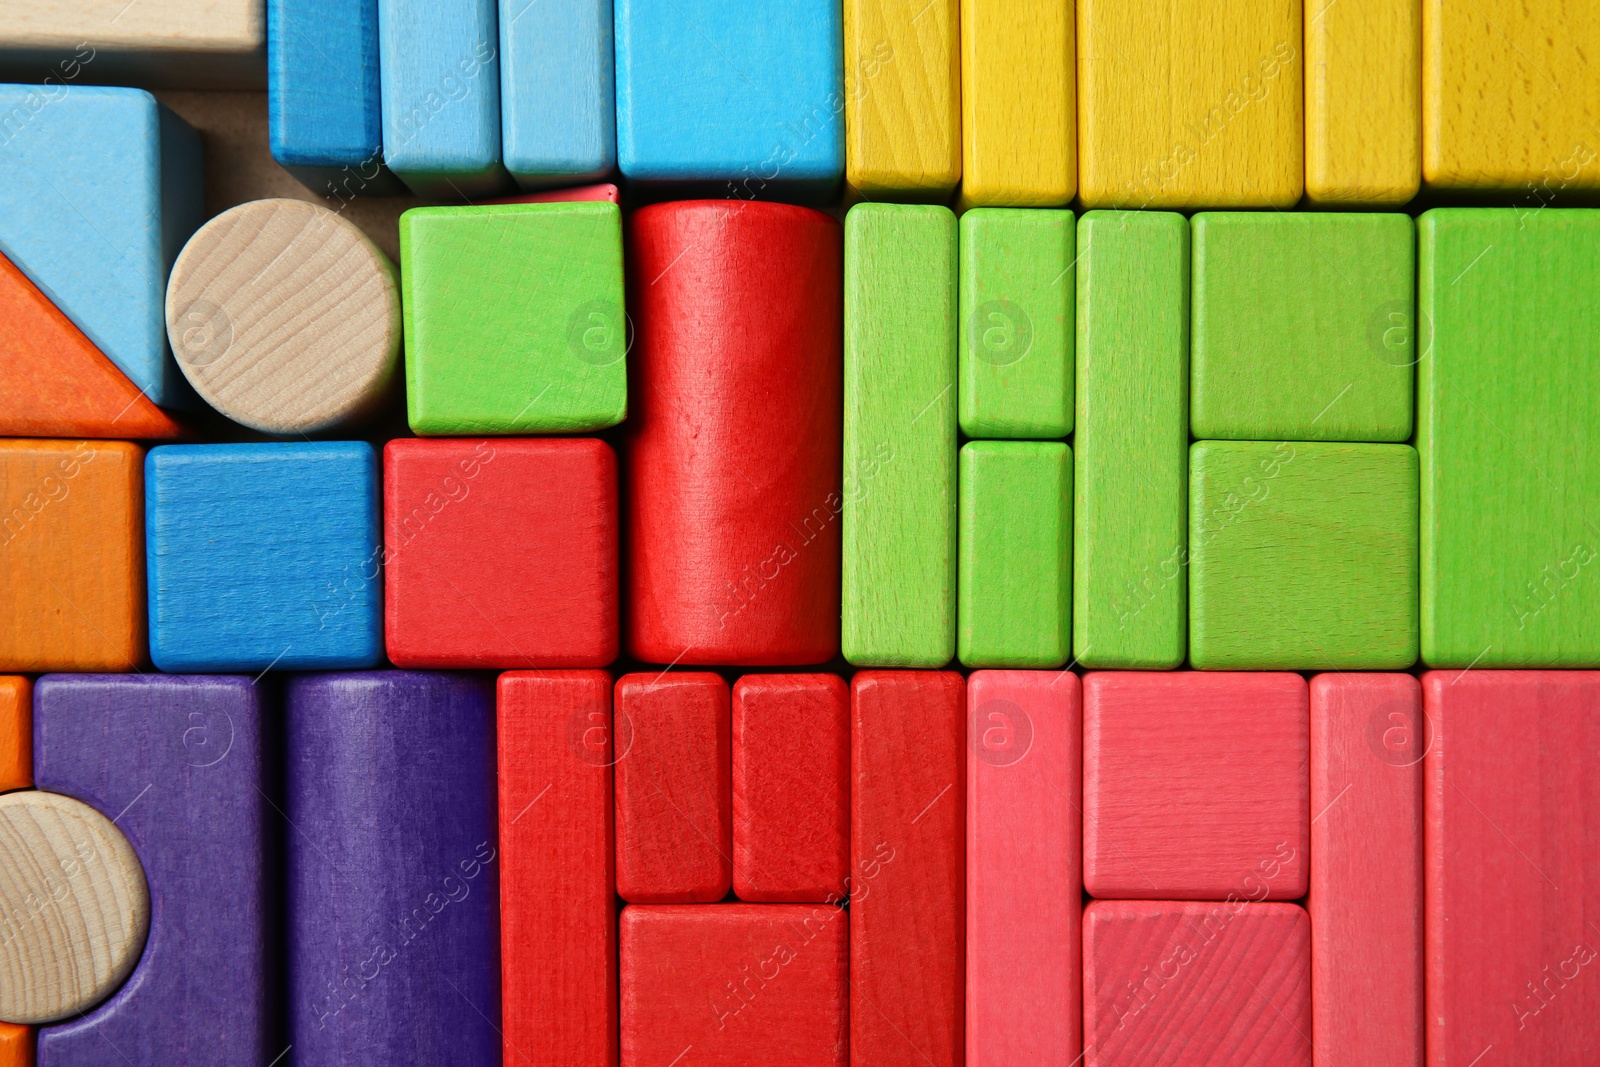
[{"x": 604, "y": 191}]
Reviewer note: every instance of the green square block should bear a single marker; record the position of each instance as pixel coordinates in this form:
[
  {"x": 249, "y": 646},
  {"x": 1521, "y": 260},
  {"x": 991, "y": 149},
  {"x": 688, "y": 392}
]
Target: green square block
[
  {"x": 513, "y": 318},
  {"x": 1302, "y": 556},
  {"x": 1014, "y": 594},
  {"x": 1016, "y": 315},
  {"x": 1302, "y": 326},
  {"x": 1508, "y": 429}
]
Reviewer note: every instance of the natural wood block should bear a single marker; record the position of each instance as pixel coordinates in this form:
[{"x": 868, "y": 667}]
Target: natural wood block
[
  {"x": 1015, "y": 582},
  {"x": 557, "y": 91},
  {"x": 1302, "y": 556},
  {"x": 902, "y": 91},
  {"x": 324, "y": 95},
  {"x": 218, "y": 44},
  {"x": 1302, "y": 326},
  {"x": 1191, "y": 104},
  {"x": 900, "y": 485},
  {"x": 72, "y": 591},
  {"x": 1019, "y": 121},
  {"x": 16, "y": 732},
  {"x": 16, "y": 1046},
  {"x": 1194, "y": 786}
]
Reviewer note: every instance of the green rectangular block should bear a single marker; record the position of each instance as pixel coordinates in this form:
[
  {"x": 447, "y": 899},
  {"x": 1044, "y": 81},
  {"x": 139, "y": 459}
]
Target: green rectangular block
[
  {"x": 1508, "y": 428},
  {"x": 1016, "y": 315},
  {"x": 513, "y": 318},
  {"x": 1303, "y": 326},
  {"x": 899, "y": 523},
  {"x": 1129, "y": 585}
]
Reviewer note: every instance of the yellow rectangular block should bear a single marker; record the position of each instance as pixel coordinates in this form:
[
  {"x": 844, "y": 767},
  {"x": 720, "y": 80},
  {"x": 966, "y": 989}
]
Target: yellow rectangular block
[
  {"x": 1018, "y": 117},
  {"x": 1190, "y": 104},
  {"x": 1363, "y": 101},
  {"x": 902, "y": 86}
]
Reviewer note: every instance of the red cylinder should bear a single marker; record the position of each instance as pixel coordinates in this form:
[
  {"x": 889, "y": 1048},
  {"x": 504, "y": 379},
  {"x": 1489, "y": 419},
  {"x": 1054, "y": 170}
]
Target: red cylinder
[{"x": 735, "y": 406}]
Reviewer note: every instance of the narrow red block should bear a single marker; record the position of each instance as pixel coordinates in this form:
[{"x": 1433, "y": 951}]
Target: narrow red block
[
  {"x": 500, "y": 553},
  {"x": 735, "y": 405},
  {"x": 731, "y": 985},
  {"x": 1024, "y": 877},
  {"x": 1195, "y": 785},
  {"x": 674, "y": 796},
  {"x": 1511, "y": 849},
  {"x": 791, "y": 787},
  {"x": 1368, "y": 737},
  {"x": 907, "y": 884},
  {"x": 603, "y": 191}
]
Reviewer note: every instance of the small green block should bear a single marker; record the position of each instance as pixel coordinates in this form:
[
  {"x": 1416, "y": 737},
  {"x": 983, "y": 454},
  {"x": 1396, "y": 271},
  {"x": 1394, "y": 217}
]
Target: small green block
[
  {"x": 1302, "y": 556},
  {"x": 1303, "y": 326},
  {"x": 1015, "y": 588},
  {"x": 1016, "y": 315},
  {"x": 513, "y": 318}
]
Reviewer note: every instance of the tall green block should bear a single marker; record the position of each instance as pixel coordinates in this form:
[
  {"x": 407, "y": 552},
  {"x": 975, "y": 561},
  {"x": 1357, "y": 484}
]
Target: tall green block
[
  {"x": 1131, "y": 447},
  {"x": 899, "y": 521},
  {"x": 513, "y": 318},
  {"x": 1016, "y": 315}
]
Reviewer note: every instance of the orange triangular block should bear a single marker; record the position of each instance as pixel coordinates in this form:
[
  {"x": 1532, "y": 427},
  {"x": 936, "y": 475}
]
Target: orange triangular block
[{"x": 55, "y": 383}]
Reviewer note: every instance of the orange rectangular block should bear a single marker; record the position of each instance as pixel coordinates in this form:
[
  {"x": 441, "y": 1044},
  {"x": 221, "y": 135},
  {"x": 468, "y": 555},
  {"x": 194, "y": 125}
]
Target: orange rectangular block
[
  {"x": 16, "y": 1045},
  {"x": 16, "y": 737}
]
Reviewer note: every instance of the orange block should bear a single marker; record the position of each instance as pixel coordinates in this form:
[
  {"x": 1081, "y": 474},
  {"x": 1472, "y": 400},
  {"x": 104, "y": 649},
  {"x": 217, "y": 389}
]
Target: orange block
[
  {"x": 16, "y": 1045},
  {"x": 16, "y": 747},
  {"x": 71, "y": 556}
]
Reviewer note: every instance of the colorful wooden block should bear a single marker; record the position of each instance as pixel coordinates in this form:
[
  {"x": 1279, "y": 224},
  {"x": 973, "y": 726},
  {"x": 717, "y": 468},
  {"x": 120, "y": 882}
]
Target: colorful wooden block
[
  {"x": 263, "y": 556},
  {"x": 900, "y": 483},
  {"x": 577, "y": 194},
  {"x": 71, "y": 563},
  {"x": 1368, "y": 739},
  {"x": 557, "y": 91},
  {"x": 1512, "y": 859},
  {"x": 733, "y": 462},
  {"x": 1302, "y": 556},
  {"x": 500, "y": 553},
  {"x": 558, "y": 923},
  {"x": 513, "y": 318},
  {"x": 1508, "y": 491},
  {"x": 16, "y": 732},
  {"x": 902, "y": 93},
  {"x": 674, "y": 813},
  {"x": 907, "y": 879},
  {"x": 98, "y": 240},
  {"x": 1014, "y": 596},
  {"x": 1131, "y": 442},
  {"x": 324, "y": 96},
  {"x": 1024, "y": 868},
  {"x": 791, "y": 788},
  {"x": 219, "y": 44},
  {"x": 734, "y": 984},
  {"x": 16, "y": 1046},
  {"x": 1016, "y": 313},
  {"x": 1194, "y": 786},
  {"x": 394, "y": 899}
]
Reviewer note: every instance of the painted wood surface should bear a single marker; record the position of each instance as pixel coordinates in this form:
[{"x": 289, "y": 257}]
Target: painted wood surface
[
  {"x": 219, "y": 44},
  {"x": 324, "y": 96},
  {"x": 557, "y": 91},
  {"x": 578, "y": 193},
  {"x": 1363, "y": 102},
  {"x": 16, "y": 732},
  {"x": 16, "y": 1045},
  {"x": 733, "y": 462},
  {"x": 902, "y": 90}
]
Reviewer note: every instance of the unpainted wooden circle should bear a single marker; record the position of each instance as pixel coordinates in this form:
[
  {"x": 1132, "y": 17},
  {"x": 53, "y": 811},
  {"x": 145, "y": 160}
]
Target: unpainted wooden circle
[
  {"x": 285, "y": 317},
  {"x": 74, "y": 907}
]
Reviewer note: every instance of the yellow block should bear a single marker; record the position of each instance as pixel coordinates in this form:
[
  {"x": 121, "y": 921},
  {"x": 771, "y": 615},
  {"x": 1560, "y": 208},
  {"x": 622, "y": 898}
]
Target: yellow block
[
  {"x": 1019, "y": 125},
  {"x": 902, "y": 86},
  {"x": 1363, "y": 101},
  {"x": 1511, "y": 96},
  {"x": 1189, "y": 103}
]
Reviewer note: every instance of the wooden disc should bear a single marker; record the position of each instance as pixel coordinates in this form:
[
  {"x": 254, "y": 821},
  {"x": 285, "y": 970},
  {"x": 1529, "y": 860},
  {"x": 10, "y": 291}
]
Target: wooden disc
[
  {"x": 74, "y": 907},
  {"x": 285, "y": 317}
]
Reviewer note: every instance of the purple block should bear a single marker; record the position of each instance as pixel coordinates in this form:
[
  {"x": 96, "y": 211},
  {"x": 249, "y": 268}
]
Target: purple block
[
  {"x": 176, "y": 762},
  {"x": 394, "y": 894}
]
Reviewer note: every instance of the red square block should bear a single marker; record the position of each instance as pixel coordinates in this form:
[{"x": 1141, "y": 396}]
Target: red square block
[
  {"x": 731, "y": 985},
  {"x": 1195, "y": 785},
  {"x": 791, "y": 787},
  {"x": 500, "y": 553}
]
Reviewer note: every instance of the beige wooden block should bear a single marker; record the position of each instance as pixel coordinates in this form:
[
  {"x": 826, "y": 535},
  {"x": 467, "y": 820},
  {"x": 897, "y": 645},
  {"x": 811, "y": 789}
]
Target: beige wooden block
[{"x": 190, "y": 43}]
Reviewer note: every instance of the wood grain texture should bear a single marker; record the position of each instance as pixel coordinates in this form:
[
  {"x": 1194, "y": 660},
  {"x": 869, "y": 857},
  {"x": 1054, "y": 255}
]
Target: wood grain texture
[
  {"x": 16, "y": 732},
  {"x": 219, "y": 43},
  {"x": 728, "y": 985},
  {"x": 1024, "y": 868},
  {"x": 902, "y": 90},
  {"x": 557, "y": 91},
  {"x": 1302, "y": 556},
  {"x": 900, "y": 481},
  {"x": 1363, "y": 102},
  {"x": 1195, "y": 786},
  {"x": 1191, "y": 104},
  {"x": 558, "y": 903},
  {"x": 500, "y": 553},
  {"x": 16, "y": 1046},
  {"x": 71, "y": 563},
  {"x": 1019, "y": 117},
  {"x": 1512, "y": 859},
  {"x": 907, "y": 871},
  {"x": 733, "y": 462},
  {"x": 324, "y": 97},
  {"x": 1193, "y": 984},
  {"x": 1368, "y": 738},
  {"x": 674, "y": 812}
]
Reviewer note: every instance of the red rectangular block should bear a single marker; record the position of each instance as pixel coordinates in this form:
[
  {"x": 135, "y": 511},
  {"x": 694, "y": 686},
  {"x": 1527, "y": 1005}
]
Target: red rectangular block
[
  {"x": 791, "y": 787},
  {"x": 907, "y": 890},
  {"x": 674, "y": 794}
]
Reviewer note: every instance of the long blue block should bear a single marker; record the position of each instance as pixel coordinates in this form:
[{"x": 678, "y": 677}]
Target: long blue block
[{"x": 557, "y": 91}]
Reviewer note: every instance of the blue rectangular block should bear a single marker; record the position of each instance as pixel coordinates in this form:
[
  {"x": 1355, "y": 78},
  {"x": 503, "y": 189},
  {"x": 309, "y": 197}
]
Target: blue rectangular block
[{"x": 557, "y": 91}]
